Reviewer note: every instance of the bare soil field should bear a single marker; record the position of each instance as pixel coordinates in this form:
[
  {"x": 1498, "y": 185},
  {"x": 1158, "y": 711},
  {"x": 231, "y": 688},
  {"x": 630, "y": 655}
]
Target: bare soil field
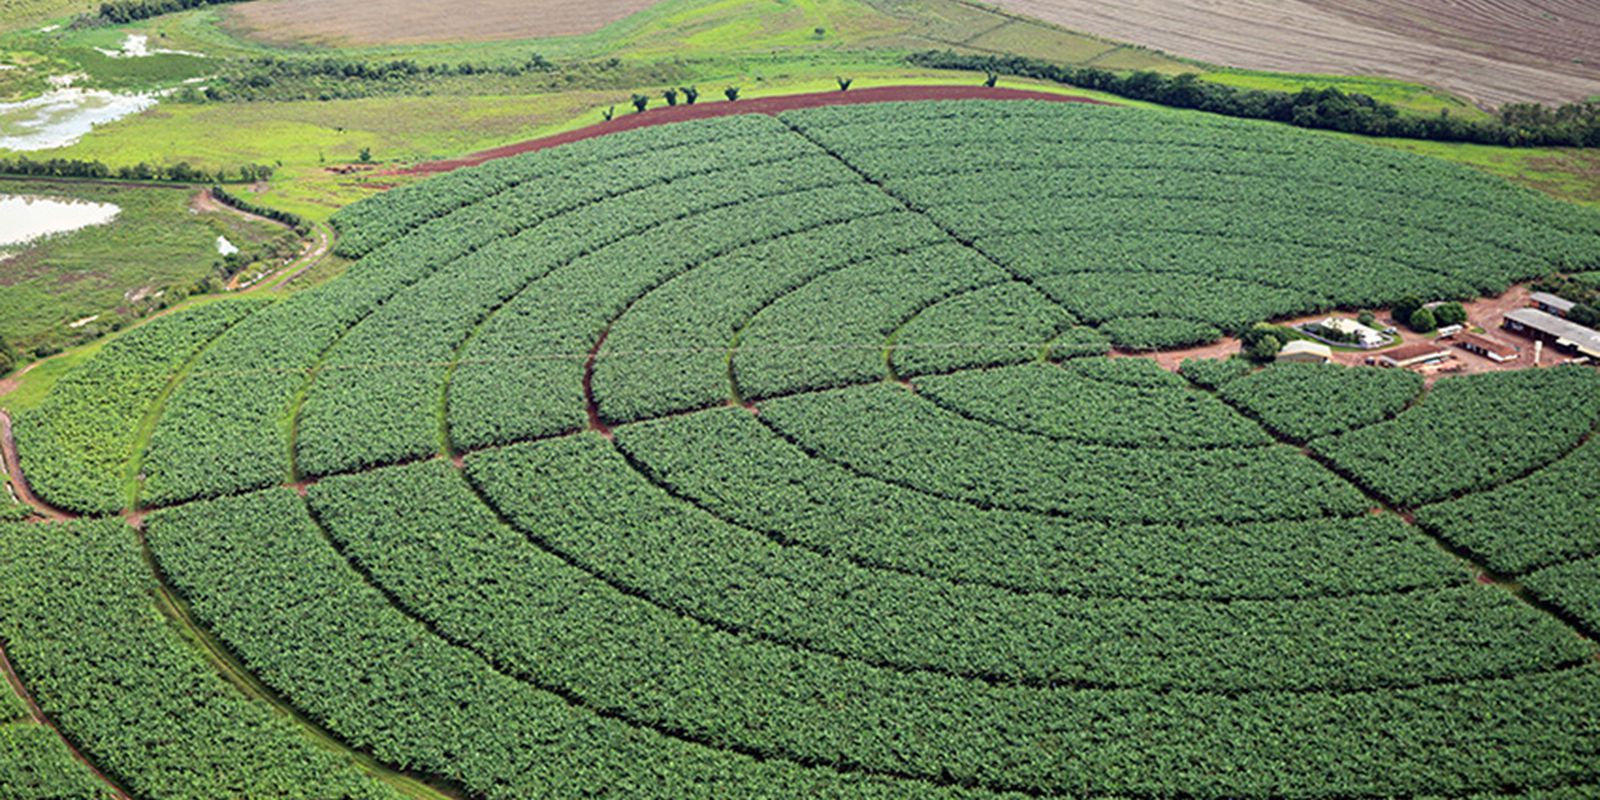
[
  {"x": 374, "y": 22},
  {"x": 1489, "y": 51}
]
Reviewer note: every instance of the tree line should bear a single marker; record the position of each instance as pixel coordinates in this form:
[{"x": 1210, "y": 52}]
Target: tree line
[
  {"x": 293, "y": 220},
  {"x": 1515, "y": 125},
  {"x": 181, "y": 172},
  {"x": 118, "y": 12}
]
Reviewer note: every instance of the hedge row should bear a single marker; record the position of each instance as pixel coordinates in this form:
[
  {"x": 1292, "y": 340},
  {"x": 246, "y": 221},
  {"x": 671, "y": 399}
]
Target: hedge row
[
  {"x": 35, "y": 765},
  {"x": 376, "y": 400},
  {"x": 1550, "y": 516},
  {"x": 888, "y": 433}
]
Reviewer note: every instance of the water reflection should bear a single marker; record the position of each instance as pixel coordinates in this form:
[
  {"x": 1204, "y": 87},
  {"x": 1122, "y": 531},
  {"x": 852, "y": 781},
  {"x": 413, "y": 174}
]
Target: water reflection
[{"x": 24, "y": 218}]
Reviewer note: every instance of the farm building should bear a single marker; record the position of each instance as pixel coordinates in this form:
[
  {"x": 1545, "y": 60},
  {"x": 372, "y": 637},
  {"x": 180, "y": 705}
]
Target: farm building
[
  {"x": 1364, "y": 336},
  {"x": 1413, "y": 355},
  {"x": 1301, "y": 350},
  {"x": 1551, "y": 304},
  {"x": 1568, "y": 337},
  {"x": 1492, "y": 349}
]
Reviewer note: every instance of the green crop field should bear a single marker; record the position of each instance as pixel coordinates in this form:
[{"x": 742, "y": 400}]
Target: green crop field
[{"x": 781, "y": 456}]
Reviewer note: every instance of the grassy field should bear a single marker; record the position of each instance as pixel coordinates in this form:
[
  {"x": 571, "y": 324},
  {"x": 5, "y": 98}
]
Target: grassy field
[
  {"x": 1406, "y": 96},
  {"x": 156, "y": 243}
]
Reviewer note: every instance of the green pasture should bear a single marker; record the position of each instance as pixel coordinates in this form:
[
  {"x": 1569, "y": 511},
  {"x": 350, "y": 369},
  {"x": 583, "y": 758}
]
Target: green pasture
[
  {"x": 1401, "y": 94},
  {"x": 155, "y": 243}
]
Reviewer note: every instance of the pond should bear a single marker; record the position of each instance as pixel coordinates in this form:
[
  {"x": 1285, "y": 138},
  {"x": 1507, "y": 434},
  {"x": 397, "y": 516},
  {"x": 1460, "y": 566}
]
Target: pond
[
  {"x": 63, "y": 115},
  {"x": 24, "y": 218}
]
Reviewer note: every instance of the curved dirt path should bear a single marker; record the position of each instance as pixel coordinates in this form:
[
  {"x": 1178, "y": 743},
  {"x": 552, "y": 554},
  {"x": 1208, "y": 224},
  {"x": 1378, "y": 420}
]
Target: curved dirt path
[
  {"x": 8, "y": 449},
  {"x": 37, "y": 715},
  {"x": 627, "y": 121},
  {"x": 311, "y": 254}
]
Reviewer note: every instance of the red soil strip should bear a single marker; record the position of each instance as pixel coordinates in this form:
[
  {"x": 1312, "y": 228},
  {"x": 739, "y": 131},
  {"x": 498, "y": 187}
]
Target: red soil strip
[
  {"x": 595, "y": 422},
  {"x": 8, "y": 450},
  {"x": 760, "y": 105},
  {"x": 38, "y": 716}
]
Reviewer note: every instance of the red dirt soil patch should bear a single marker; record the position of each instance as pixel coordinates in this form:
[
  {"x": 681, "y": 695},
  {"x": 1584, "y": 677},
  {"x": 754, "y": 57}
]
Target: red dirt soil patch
[{"x": 760, "y": 105}]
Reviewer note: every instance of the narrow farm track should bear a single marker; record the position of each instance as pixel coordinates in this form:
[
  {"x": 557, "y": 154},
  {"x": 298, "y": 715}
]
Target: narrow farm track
[
  {"x": 762, "y": 105},
  {"x": 232, "y": 669},
  {"x": 19, "y": 482},
  {"x": 1472, "y": 560},
  {"x": 38, "y": 716}
]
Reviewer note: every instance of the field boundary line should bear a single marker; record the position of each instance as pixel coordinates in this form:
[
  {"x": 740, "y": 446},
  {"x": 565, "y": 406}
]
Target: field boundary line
[
  {"x": 38, "y": 717},
  {"x": 11, "y": 459},
  {"x": 232, "y": 670},
  {"x": 132, "y": 480},
  {"x": 1469, "y": 558}
]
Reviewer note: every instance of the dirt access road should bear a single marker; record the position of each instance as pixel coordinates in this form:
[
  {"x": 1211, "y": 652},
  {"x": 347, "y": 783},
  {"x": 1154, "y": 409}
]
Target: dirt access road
[
  {"x": 626, "y": 120},
  {"x": 1488, "y": 51},
  {"x": 376, "y": 22}
]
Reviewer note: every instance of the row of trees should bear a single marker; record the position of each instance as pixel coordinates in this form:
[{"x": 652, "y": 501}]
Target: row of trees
[
  {"x": 181, "y": 172},
  {"x": 1521, "y": 124},
  {"x": 293, "y": 220},
  {"x": 1411, "y": 313},
  {"x": 118, "y": 12}
]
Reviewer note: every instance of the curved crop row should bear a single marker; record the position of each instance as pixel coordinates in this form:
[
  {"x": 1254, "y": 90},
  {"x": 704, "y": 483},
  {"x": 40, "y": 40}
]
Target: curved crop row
[
  {"x": 76, "y": 446},
  {"x": 78, "y": 617}
]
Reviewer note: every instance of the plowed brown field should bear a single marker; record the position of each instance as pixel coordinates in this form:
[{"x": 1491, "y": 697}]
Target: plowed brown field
[
  {"x": 369, "y": 22},
  {"x": 1489, "y": 51}
]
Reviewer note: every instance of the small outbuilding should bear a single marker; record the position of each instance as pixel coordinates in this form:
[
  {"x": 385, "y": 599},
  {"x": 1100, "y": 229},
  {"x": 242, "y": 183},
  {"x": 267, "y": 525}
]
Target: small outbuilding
[
  {"x": 1551, "y": 304},
  {"x": 1413, "y": 355},
  {"x": 1301, "y": 351},
  {"x": 1492, "y": 349}
]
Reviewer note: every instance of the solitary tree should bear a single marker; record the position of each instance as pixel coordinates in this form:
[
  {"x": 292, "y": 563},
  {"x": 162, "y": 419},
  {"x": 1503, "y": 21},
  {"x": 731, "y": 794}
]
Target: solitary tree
[
  {"x": 690, "y": 94},
  {"x": 366, "y": 155},
  {"x": 991, "y": 80},
  {"x": 1368, "y": 319},
  {"x": 639, "y": 103},
  {"x": 732, "y": 93},
  {"x": 609, "y": 113},
  {"x": 671, "y": 96},
  {"x": 844, "y": 83},
  {"x": 1422, "y": 321}
]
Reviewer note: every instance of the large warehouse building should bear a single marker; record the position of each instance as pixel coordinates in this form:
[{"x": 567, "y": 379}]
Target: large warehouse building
[{"x": 1567, "y": 336}]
